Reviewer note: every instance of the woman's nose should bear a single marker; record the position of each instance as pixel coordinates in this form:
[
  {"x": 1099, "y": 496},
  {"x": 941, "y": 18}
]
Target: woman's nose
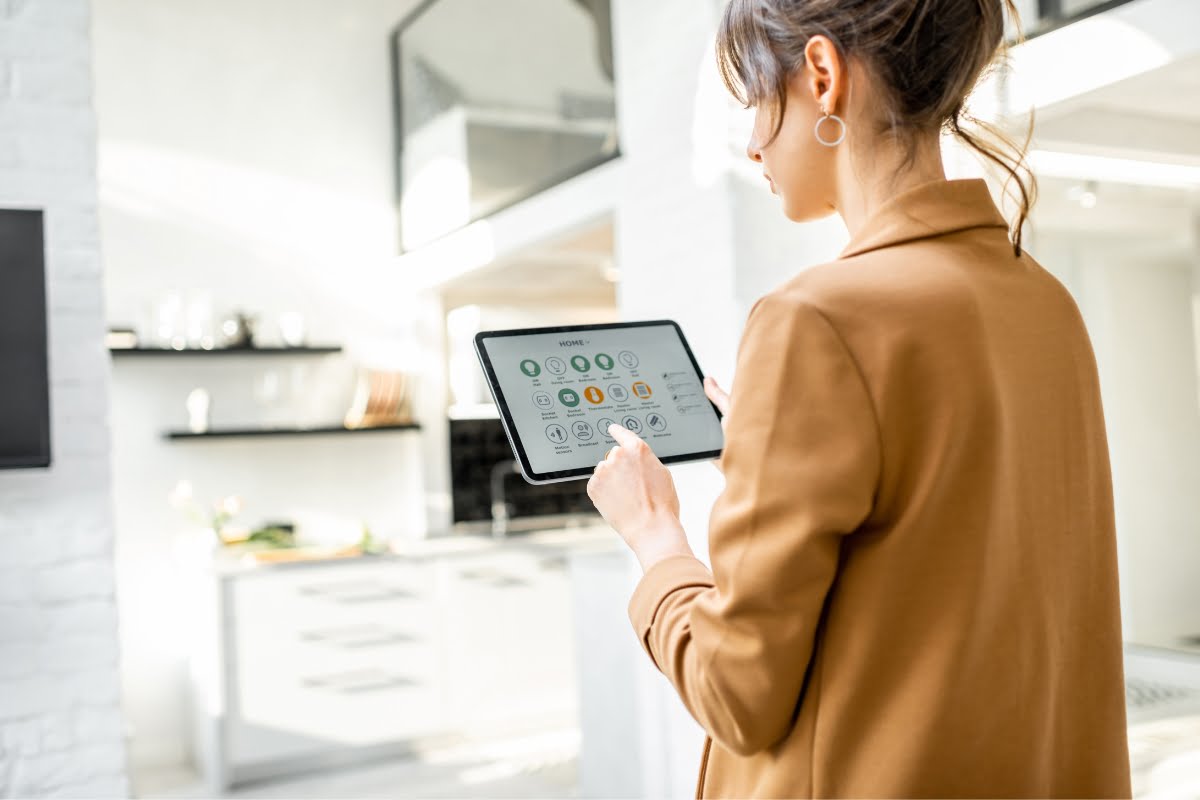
[{"x": 752, "y": 151}]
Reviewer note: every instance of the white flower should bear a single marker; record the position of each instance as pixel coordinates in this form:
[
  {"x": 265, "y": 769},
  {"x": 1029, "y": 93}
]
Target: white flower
[
  {"x": 181, "y": 496},
  {"x": 231, "y": 505}
]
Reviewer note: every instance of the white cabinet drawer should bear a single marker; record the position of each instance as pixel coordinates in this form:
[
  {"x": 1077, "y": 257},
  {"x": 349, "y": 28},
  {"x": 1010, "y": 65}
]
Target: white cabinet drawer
[
  {"x": 332, "y": 603},
  {"x": 391, "y": 695},
  {"x": 305, "y": 664},
  {"x": 331, "y": 656},
  {"x": 507, "y": 640}
]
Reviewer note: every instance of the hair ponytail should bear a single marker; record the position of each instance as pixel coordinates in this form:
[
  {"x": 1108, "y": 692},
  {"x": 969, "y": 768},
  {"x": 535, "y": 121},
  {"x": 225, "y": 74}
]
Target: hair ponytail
[
  {"x": 990, "y": 142},
  {"x": 1000, "y": 151}
]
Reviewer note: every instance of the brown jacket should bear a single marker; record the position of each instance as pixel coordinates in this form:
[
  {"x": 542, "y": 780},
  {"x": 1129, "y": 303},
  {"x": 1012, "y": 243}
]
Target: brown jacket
[{"x": 914, "y": 578}]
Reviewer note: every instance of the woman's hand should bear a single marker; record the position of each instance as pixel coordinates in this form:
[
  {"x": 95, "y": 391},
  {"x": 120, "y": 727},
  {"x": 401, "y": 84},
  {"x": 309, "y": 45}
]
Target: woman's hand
[
  {"x": 636, "y": 495},
  {"x": 721, "y": 400},
  {"x": 718, "y": 397}
]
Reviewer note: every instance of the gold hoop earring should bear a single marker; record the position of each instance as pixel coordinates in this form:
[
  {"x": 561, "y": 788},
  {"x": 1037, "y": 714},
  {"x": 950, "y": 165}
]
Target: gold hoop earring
[{"x": 841, "y": 130}]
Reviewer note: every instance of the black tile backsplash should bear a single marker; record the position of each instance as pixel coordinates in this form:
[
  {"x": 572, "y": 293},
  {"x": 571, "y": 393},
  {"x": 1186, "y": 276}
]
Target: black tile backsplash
[{"x": 476, "y": 445}]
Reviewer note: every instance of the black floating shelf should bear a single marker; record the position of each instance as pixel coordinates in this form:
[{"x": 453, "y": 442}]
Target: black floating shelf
[
  {"x": 230, "y": 433},
  {"x": 226, "y": 351}
]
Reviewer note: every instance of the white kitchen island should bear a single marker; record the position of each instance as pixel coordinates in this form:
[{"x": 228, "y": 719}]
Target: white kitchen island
[{"x": 317, "y": 664}]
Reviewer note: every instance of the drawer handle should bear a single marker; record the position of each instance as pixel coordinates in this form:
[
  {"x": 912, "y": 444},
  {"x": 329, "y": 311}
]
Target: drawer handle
[
  {"x": 492, "y": 577},
  {"x": 553, "y": 563},
  {"x": 347, "y": 592},
  {"x": 357, "y": 636},
  {"x": 359, "y": 681}
]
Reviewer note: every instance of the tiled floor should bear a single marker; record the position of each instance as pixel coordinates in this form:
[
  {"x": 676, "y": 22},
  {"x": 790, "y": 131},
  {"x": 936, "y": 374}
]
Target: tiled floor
[
  {"x": 1165, "y": 755},
  {"x": 531, "y": 767},
  {"x": 1163, "y": 703}
]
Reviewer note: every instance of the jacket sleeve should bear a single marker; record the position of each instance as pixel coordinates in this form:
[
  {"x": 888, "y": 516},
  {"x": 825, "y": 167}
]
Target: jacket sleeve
[{"x": 802, "y": 460}]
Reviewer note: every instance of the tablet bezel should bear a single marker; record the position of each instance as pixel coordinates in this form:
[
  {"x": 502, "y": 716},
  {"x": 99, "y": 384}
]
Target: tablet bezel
[{"x": 510, "y": 427}]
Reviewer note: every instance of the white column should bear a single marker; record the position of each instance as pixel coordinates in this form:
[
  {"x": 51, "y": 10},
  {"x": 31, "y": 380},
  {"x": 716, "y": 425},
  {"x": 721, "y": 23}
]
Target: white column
[{"x": 699, "y": 237}]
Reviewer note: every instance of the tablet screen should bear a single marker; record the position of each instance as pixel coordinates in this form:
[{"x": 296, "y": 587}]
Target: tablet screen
[{"x": 560, "y": 389}]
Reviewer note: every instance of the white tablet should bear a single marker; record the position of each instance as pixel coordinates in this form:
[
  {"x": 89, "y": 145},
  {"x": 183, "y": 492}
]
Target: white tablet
[{"x": 558, "y": 390}]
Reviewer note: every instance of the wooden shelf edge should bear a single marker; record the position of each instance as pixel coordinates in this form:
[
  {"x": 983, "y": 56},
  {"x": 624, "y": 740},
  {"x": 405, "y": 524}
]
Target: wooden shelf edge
[
  {"x": 226, "y": 351},
  {"x": 233, "y": 433}
]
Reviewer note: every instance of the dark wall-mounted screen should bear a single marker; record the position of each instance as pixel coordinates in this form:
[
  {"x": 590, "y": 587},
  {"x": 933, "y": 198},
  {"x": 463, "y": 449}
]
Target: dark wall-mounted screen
[{"x": 24, "y": 381}]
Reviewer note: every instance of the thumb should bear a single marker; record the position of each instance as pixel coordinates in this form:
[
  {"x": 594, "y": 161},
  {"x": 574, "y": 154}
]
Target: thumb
[{"x": 717, "y": 395}]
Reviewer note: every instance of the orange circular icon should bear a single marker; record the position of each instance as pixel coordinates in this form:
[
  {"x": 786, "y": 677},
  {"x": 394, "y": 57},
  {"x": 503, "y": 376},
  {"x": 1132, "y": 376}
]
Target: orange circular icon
[
  {"x": 593, "y": 395},
  {"x": 642, "y": 389}
]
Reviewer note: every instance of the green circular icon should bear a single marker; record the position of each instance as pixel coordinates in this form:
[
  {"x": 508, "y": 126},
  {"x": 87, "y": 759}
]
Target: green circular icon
[
  {"x": 580, "y": 363},
  {"x": 604, "y": 361},
  {"x": 568, "y": 397},
  {"x": 531, "y": 368}
]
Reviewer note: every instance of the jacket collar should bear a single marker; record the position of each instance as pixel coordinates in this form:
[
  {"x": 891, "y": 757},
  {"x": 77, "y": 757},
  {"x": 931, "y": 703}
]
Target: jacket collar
[{"x": 928, "y": 209}]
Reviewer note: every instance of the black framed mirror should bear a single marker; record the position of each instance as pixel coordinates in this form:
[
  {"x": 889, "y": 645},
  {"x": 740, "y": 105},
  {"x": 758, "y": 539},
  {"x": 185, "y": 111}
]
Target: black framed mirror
[{"x": 495, "y": 102}]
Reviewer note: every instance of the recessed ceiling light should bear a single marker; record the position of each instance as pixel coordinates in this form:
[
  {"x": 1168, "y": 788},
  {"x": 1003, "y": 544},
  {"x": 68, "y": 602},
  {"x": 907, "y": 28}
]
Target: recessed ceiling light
[{"x": 1084, "y": 194}]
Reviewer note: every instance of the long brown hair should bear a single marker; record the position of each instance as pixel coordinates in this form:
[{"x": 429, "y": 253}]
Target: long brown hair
[{"x": 927, "y": 56}]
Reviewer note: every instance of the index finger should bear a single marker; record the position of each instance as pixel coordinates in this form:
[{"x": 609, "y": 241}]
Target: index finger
[{"x": 623, "y": 436}]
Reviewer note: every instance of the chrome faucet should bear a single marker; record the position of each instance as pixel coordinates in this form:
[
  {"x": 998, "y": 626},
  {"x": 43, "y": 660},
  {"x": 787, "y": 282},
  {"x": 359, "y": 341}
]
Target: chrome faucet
[{"x": 500, "y": 470}]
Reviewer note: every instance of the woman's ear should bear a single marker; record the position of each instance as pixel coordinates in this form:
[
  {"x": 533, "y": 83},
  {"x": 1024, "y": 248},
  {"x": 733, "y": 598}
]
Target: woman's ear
[{"x": 824, "y": 73}]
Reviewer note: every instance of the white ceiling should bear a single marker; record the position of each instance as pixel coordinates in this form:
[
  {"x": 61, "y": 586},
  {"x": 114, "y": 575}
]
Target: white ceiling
[{"x": 1154, "y": 115}]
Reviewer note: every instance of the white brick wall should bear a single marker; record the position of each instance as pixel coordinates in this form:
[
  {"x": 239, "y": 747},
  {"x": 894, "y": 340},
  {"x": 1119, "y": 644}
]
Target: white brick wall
[{"x": 60, "y": 724}]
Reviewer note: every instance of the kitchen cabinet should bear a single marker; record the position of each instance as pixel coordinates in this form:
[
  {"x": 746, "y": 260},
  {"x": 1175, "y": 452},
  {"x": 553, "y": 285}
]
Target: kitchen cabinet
[
  {"x": 309, "y": 665},
  {"x": 507, "y": 627},
  {"x": 343, "y": 654}
]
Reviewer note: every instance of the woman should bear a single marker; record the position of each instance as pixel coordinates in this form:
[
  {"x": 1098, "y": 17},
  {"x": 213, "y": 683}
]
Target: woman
[{"x": 914, "y": 583}]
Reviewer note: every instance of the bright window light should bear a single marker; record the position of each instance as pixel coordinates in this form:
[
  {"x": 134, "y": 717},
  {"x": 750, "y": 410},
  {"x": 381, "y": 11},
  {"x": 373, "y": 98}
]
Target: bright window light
[{"x": 1054, "y": 164}]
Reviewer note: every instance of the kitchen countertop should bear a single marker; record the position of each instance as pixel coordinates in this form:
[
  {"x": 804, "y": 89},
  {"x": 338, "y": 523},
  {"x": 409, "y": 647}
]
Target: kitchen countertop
[
  {"x": 574, "y": 537},
  {"x": 581, "y": 537}
]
